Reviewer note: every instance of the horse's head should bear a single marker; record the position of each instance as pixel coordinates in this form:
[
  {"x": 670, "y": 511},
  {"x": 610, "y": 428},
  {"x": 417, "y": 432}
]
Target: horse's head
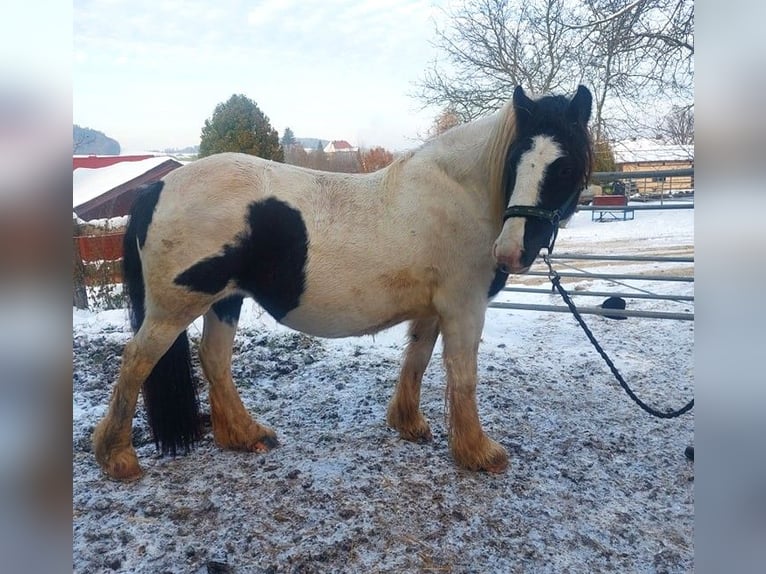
[{"x": 547, "y": 165}]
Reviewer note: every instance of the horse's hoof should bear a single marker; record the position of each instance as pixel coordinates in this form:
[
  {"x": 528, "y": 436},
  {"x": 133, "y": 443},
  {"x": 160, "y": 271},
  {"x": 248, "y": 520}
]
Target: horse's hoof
[
  {"x": 492, "y": 458},
  {"x": 418, "y": 435},
  {"x": 418, "y": 431},
  {"x": 123, "y": 467},
  {"x": 266, "y": 444},
  {"x": 251, "y": 437},
  {"x": 498, "y": 465}
]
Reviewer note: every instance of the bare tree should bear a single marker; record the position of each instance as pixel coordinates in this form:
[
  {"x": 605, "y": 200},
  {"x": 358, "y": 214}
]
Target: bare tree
[
  {"x": 493, "y": 45},
  {"x": 678, "y": 127},
  {"x": 610, "y": 59},
  {"x": 635, "y": 57},
  {"x": 444, "y": 121},
  {"x": 628, "y": 54},
  {"x": 81, "y": 139},
  {"x": 667, "y": 36},
  {"x": 318, "y": 158},
  {"x": 296, "y": 155}
]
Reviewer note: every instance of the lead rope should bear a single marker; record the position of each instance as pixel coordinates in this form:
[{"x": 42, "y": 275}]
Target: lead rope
[{"x": 556, "y": 281}]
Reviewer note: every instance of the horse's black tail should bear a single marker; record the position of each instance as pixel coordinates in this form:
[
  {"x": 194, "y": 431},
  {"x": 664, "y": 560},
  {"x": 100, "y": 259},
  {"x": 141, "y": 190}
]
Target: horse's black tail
[{"x": 170, "y": 397}]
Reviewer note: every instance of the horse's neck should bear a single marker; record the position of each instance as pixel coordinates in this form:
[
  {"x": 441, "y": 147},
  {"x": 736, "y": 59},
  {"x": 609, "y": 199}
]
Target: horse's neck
[{"x": 465, "y": 152}]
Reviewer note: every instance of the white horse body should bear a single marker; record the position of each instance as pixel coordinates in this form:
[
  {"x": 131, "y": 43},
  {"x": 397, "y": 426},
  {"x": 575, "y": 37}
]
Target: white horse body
[
  {"x": 428, "y": 239},
  {"x": 398, "y": 229}
]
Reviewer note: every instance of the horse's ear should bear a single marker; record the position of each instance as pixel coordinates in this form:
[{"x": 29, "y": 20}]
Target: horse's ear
[
  {"x": 522, "y": 104},
  {"x": 580, "y": 106}
]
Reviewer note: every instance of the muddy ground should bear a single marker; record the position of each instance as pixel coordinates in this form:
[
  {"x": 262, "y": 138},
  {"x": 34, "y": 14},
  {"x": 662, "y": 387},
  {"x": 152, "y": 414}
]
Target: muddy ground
[{"x": 595, "y": 485}]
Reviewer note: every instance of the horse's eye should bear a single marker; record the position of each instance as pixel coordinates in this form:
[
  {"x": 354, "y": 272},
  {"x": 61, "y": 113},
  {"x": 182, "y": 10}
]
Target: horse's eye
[{"x": 565, "y": 172}]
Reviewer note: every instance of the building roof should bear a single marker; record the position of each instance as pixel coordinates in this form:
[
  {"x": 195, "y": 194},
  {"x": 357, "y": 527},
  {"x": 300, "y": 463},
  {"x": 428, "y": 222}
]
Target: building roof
[
  {"x": 642, "y": 150},
  {"x": 95, "y": 161},
  {"x": 96, "y": 192}
]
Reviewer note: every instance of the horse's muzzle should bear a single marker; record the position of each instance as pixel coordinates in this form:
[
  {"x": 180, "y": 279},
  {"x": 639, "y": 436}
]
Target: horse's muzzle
[{"x": 512, "y": 263}]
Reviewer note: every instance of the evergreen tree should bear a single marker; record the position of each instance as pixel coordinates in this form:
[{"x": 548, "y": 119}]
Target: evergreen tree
[
  {"x": 239, "y": 125},
  {"x": 288, "y": 138}
]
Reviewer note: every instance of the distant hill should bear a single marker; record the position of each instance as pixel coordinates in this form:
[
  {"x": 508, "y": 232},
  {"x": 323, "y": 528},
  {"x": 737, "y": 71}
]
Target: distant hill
[{"x": 86, "y": 141}]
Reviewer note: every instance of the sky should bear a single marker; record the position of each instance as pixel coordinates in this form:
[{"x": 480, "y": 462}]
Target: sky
[{"x": 148, "y": 73}]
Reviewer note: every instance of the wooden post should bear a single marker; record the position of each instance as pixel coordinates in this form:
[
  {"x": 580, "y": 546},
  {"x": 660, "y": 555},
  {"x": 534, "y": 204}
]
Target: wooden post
[{"x": 80, "y": 292}]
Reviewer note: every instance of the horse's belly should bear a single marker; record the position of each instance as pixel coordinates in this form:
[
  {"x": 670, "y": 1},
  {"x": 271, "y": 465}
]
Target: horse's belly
[
  {"x": 351, "y": 311},
  {"x": 337, "y": 322}
]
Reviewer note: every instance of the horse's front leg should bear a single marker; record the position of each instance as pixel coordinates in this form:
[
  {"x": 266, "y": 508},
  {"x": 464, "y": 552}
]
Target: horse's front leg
[
  {"x": 404, "y": 412},
  {"x": 470, "y": 446}
]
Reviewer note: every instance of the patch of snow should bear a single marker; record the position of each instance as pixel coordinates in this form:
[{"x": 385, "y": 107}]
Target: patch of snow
[{"x": 89, "y": 183}]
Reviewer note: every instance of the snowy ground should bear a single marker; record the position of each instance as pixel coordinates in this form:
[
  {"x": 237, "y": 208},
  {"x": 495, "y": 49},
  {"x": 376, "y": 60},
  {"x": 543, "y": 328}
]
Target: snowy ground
[{"x": 595, "y": 484}]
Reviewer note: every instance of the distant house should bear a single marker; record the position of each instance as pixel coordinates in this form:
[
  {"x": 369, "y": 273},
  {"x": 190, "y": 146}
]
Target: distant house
[
  {"x": 339, "y": 146},
  {"x": 105, "y": 186},
  {"x": 654, "y": 155}
]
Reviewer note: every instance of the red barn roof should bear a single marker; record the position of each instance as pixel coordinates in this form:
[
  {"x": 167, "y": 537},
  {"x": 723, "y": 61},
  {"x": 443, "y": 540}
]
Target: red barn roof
[
  {"x": 109, "y": 191},
  {"x": 96, "y": 161}
]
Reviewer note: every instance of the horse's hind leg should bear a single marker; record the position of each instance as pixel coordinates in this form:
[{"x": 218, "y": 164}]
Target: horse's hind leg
[
  {"x": 233, "y": 428},
  {"x": 112, "y": 437},
  {"x": 404, "y": 412}
]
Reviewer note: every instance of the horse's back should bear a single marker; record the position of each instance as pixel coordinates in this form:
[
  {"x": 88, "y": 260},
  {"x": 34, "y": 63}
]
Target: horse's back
[{"x": 325, "y": 253}]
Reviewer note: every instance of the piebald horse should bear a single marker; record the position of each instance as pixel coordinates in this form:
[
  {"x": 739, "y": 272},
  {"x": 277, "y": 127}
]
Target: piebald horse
[{"x": 430, "y": 239}]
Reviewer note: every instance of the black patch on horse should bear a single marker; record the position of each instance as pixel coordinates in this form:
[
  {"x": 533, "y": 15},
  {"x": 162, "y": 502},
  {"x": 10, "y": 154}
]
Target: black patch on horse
[
  {"x": 227, "y": 310},
  {"x": 498, "y": 282},
  {"x": 268, "y": 261},
  {"x": 141, "y": 214},
  {"x": 142, "y": 211}
]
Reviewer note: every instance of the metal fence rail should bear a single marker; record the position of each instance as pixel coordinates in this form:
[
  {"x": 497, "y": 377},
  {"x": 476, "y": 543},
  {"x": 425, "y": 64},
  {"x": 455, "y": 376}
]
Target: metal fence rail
[
  {"x": 603, "y": 176},
  {"x": 639, "y": 207},
  {"x": 648, "y": 258},
  {"x": 593, "y": 311},
  {"x": 614, "y": 277},
  {"x": 663, "y": 184},
  {"x": 643, "y": 294},
  {"x": 609, "y": 276},
  {"x": 540, "y": 291}
]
